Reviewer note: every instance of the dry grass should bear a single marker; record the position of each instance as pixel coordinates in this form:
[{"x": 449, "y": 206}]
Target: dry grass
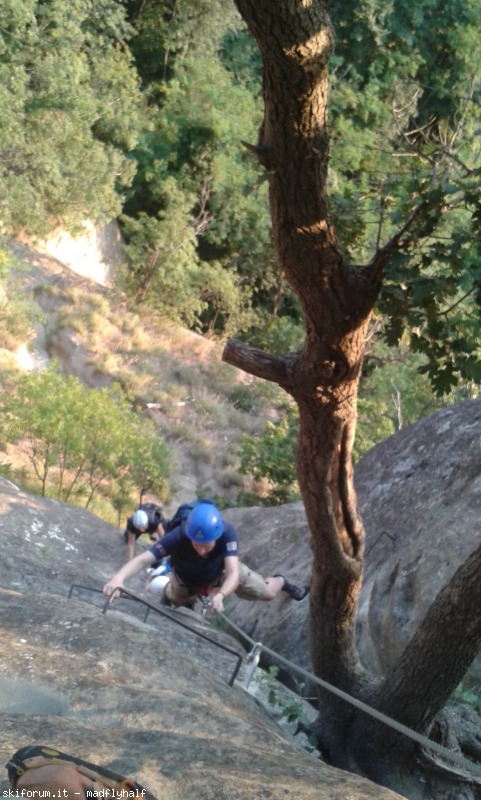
[{"x": 200, "y": 404}]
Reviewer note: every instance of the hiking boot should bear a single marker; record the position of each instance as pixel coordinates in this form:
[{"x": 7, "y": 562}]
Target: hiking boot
[{"x": 296, "y": 592}]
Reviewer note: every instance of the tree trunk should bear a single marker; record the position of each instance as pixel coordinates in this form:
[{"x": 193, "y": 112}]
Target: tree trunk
[
  {"x": 434, "y": 662},
  {"x": 295, "y": 40}
]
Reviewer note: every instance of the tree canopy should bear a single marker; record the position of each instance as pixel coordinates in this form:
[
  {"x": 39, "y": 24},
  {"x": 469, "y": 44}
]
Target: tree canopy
[
  {"x": 151, "y": 111},
  {"x": 70, "y": 111}
]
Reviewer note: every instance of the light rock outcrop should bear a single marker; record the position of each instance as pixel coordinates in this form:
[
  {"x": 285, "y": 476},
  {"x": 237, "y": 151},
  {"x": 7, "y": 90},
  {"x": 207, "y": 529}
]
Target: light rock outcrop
[{"x": 95, "y": 253}]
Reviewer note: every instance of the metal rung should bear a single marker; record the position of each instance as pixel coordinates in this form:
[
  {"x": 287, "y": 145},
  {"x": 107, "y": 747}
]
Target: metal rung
[
  {"x": 253, "y": 659},
  {"x": 170, "y": 615},
  {"x": 99, "y": 591}
]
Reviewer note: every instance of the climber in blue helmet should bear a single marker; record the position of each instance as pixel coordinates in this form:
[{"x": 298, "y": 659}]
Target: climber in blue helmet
[
  {"x": 204, "y": 524},
  {"x": 204, "y": 555}
]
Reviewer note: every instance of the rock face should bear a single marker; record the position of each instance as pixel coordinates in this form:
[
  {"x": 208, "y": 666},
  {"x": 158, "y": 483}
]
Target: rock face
[
  {"x": 275, "y": 540},
  {"x": 96, "y": 253},
  {"x": 420, "y": 497},
  {"x": 143, "y": 696},
  {"x": 419, "y": 493}
]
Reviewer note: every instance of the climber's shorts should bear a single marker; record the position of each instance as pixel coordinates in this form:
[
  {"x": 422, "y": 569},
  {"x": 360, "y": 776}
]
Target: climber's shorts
[{"x": 252, "y": 586}]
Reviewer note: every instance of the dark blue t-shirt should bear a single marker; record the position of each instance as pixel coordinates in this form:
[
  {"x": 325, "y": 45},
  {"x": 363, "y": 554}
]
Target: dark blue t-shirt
[{"x": 192, "y": 569}]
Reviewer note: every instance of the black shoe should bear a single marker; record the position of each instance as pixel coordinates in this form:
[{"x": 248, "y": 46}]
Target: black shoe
[{"x": 296, "y": 592}]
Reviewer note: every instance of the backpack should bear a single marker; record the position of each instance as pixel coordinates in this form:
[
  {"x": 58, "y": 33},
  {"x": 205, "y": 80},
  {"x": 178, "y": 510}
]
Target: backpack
[
  {"x": 183, "y": 512},
  {"x": 154, "y": 512},
  {"x": 105, "y": 783}
]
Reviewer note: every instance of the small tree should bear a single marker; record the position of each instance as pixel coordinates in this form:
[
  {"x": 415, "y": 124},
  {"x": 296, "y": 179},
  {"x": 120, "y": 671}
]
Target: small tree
[
  {"x": 42, "y": 415},
  {"x": 272, "y": 456},
  {"x": 79, "y": 440}
]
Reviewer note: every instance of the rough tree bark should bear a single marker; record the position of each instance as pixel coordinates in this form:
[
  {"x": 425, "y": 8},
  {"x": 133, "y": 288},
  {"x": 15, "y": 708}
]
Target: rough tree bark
[{"x": 295, "y": 39}]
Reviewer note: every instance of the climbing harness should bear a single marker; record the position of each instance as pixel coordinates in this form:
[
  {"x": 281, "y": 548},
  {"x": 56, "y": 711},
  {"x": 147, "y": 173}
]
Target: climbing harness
[{"x": 205, "y": 603}]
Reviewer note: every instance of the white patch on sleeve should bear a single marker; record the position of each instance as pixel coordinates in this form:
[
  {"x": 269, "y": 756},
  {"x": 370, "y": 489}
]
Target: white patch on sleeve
[{"x": 231, "y": 546}]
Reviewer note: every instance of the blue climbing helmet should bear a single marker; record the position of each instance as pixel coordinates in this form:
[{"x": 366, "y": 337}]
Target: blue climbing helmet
[{"x": 204, "y": 524}]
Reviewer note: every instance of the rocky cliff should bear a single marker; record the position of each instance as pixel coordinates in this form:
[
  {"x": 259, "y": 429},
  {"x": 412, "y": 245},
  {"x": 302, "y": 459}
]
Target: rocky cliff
[
  {"x": 419, "y": 492},
  {"x": 145, "y": 697}
]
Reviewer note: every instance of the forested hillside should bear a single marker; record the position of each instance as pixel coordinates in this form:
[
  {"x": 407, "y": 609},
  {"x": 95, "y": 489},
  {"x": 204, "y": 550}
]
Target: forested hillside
[
  {"x": 149, "y": 112},
  {"x": 107, "y": 400},
  {"x": 296, "y": 183}
]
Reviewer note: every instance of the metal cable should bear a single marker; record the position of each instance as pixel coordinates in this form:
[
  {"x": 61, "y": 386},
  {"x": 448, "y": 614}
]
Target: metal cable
[
  {"x": 473, "y": 769},
  {"x": 466, "y": 765}
]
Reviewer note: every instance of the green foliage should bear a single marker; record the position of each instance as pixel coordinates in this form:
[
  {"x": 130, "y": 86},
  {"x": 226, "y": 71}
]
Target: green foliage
[
  {"x": 272, "y": 456},
  {"x": 15, "y": 313},
  {"x": 422, "y": 57},
  {"x": 80, "y": 441},
  {"x": 201, "y": 109},
  {"x": 468, "y": 695},
  {"x": 168, "y": 31},
  {"x": 240, "y": 56},
  {"x": 197, "y": 64},
  {"x": 431, "y": 291},
  {"x": 405, "y": 135},
  {"x": 70, "y": 110},
  {"x": 5, "y": 264},
  {"x": 277, "y": 697},
  {"x": 282, "y": 334},
  {"x": 152, "y": 101},
  {"x": 393, "y": 393},
  {"x": 227, "y": 299},
  {"x": 165, "y": 270},
  {"x": 161, "y": 251}
]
